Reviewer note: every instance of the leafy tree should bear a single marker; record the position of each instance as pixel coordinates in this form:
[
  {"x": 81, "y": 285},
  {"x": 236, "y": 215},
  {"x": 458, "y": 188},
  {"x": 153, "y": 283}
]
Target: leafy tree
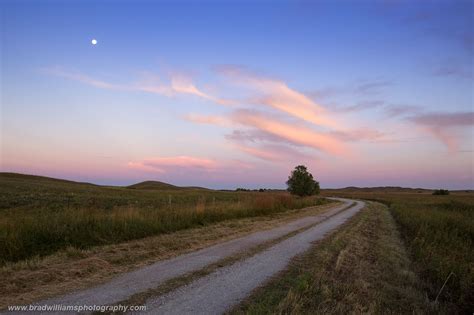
[
  {"x": 441, "y": 192},
  {"x": 301, "y": 182}
]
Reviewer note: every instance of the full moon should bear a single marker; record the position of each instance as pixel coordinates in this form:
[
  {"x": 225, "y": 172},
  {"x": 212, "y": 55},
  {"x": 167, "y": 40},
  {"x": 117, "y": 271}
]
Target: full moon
[{"x": 94, "y": 41}]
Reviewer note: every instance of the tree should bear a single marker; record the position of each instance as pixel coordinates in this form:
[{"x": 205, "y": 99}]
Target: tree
[{"x": 301, "y": 182}]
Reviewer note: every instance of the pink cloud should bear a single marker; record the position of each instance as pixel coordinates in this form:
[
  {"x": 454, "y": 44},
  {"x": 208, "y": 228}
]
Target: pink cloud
[
  {"x": 259, "y": 152},
  {"x": 253, "y": 136},
  {"x": 58, "y": 71},
  {"x": 164, "y": 164},
  {"x": 296, "y": 134},
  {"x": 270, "y": 129},
  {"x": 400, "y": 110},
  {"x": 358, "y": 134},
  {"x": 443, "y": 125},
  {"x": 357, "y": 89},
  {"x": 182, "y": 84},
  {"x": 361, "y": 106},
  {"x": 188, "y": 165},
  {"x": 278, "y": 95},
  {"x": 179, "y": 84},
  {"x": 445, "y": 119},
  {"x": 209, "y": 120},
  {"x": 273, "y": 153}
]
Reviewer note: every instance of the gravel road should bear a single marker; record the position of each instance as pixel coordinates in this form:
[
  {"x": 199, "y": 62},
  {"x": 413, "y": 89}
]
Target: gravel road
[
  {"x": 126, "y": 285},
  {"x": 226, "y": 287}
]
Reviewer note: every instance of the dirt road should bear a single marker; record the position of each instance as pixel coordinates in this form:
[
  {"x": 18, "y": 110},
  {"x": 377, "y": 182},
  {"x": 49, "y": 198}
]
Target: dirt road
[{"x": 226, "y": 286}]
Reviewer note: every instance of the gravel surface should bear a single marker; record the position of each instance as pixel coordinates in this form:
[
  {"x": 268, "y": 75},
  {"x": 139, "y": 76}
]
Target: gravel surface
[
  {"x": 126, "y": 285},
  {"x": 227, "y": 286}
]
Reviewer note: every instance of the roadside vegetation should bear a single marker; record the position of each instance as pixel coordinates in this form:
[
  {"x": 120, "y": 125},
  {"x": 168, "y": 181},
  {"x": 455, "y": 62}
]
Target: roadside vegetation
[
  {"x": 361, "y": 268},
  {"x": 438, "y": 231},
  {"x": 40, "y": 216}
]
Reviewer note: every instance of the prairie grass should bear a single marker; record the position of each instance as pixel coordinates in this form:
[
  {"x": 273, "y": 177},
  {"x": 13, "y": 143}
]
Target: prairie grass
[
  {"x": 439, "y": 233},
  {"x": 40, "y": 216}
]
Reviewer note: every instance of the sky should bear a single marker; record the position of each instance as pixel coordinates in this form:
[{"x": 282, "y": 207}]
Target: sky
[{"x": 227, "y": 94}]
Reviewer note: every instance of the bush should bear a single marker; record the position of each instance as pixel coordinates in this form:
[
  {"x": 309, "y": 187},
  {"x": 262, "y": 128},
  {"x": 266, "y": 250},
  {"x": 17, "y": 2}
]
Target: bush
[{"x": 441, "y": 192}]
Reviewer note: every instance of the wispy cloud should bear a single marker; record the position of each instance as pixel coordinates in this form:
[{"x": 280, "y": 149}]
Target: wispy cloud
[
  {"x": 371, "y": 87},
  {"x": 362, "y": 134},
  {"x": 178, "y": 84},
  {"x": 209, "y": 120},
  {"x": 444, "y": 120},
  {"x": 163, "y": 164},
  {"x": 442, "y": 125},
  {"x": 265, "y": 146},
  {"x": 365, "y": 105},
  {"x": 430, "y": 20},
  {"x": 253, "y": 136},
  {"x": 273, "y": 152},
  {"x": 76, "y": 76},
  {"x": 186, "y": 165},
  {"x": 401, "y": 110},
  {"x": 293, "y": 133},
  {"x": 278, "y": 95},
  {"x": 266, "y": 128},
  {"x": 454, "y": 71},
  {"x": 358, "y": 88}
]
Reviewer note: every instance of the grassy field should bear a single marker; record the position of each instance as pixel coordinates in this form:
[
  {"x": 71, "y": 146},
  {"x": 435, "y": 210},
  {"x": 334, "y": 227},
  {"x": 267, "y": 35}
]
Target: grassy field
[
  {"x": 361, "y": 268},
  {"x": 39, "y": 216},
  {"x": 439, "y": 234}
]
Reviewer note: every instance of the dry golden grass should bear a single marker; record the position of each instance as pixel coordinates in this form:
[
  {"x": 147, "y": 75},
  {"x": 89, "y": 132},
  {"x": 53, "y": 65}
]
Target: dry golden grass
[
  {"x": 72, "y": 269},
  {"x": 438, "y": 231},
  {"x": 361, "y": 268}
]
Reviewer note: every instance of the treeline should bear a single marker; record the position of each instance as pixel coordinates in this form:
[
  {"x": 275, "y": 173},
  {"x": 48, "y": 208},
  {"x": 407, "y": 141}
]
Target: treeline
[{"x": 256, "y": 190}]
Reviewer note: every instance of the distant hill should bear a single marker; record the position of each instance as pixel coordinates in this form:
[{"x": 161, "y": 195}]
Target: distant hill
[
  {"x": 16, "y": 177},
  {"x": 153, "y": 185},
  {"x": 378, "y": 189},
  {"x": 156, "y": 185}
]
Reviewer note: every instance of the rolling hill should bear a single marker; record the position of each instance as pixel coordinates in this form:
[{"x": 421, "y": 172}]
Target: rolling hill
[
  {"x": 156, "y": 185},
  {"x": 19, "y": 180}
]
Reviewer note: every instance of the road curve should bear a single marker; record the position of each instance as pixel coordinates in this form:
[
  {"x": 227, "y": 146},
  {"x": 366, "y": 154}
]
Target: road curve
[{"x": 227, "y": 286}]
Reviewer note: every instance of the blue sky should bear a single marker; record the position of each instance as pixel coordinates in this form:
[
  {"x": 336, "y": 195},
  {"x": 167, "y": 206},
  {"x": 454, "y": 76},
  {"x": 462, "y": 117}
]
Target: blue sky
[{"x": 363, "y": 92}]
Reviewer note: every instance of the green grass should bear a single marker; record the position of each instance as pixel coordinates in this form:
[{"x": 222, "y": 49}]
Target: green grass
[
  {"x": 39, "y": 216},
  {"x": 439, "y": 233}
]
